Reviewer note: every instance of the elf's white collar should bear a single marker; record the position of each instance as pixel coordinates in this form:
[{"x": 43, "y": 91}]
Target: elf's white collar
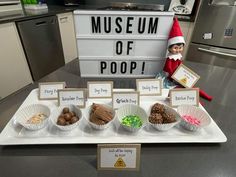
[{"x": 174, "y": 56}]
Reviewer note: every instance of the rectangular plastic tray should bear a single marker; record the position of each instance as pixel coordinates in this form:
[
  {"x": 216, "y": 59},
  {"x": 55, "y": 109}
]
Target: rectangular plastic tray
[{"x": 15, "y": 134}]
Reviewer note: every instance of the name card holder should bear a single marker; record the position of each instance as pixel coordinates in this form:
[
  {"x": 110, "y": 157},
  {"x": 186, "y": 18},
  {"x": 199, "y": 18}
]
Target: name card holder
[
  {"x": 185, "y": 76},
  {"x": 100, "y": 89},
  {"x": 118, "y": 157},
  {"x": 122, "y": 98},
  {"x": 149, "y": 87},
  {"x": 71, "y": 96},
  {"x": 48, "y": 90},
  {"x": 184, "y": 96}
]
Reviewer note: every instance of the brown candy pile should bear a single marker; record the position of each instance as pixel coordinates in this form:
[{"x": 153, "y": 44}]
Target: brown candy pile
[
  {"x": 160, "y": 116},
  {"x": 100, "y": 115},
  {"x": 67, "y": 117}
]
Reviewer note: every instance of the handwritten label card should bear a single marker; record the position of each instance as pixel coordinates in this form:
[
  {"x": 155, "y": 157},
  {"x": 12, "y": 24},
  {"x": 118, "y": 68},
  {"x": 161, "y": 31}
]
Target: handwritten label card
[
  {"x": 48, "y": 90},
  {"x": 71, "y": 96},
  {"x": 121, "y": 98},
  {"x": 185, "y": 76},
  {"x": 184, "y": 97},
  {"x": 101, "y": 89},
  {"x": 149, "y": 86},
  {"x": 118, "y": 157}
]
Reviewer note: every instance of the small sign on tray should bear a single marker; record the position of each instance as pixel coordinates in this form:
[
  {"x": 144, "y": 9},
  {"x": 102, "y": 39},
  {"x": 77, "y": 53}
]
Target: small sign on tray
[
  {"x": 185, "y": 76},
  {"x": 118, "y": 156},
  {"x": 122, "y": 98},
  {"x": 100, "y": 89},
  {"x": 148, "y": 86},
  {"x": 71, "y": 96},
  {"x": 184, "y": 96},
  {"x": 48, "y": 90}
]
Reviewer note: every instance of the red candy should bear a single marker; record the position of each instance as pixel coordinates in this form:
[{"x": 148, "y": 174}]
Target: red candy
[{"x": 191, "y": 120}]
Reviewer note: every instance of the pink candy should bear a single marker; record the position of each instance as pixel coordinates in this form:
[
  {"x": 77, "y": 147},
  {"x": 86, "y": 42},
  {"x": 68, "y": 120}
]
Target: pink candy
[{"x": 191, "y": 120}]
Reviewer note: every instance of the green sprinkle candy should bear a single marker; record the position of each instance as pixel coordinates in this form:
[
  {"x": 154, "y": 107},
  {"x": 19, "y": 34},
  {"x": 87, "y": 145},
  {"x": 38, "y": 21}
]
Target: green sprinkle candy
[{"x": 132, "y": 121}]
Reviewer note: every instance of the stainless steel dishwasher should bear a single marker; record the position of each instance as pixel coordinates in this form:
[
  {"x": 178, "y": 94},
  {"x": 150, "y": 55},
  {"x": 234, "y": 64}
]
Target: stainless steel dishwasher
[{"x": 42, "y": 45}]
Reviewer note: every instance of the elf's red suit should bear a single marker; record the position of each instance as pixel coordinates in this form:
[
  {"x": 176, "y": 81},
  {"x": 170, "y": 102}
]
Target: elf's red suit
[{"x": 172, "y": 63}]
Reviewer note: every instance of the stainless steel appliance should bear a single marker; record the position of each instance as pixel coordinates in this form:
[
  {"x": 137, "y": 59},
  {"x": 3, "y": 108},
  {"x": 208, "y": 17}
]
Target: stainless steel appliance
[
  {"x": 214, "y": 36},
  {"x": 133, "y": 6},
  {"x": 42, "y": 45},
  {"x": 182, "y": 7}
]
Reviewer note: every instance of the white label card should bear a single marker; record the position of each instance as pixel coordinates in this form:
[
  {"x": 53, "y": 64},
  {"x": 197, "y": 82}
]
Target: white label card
[
  {"x": 185, "y": 76},
  {"x": 148, "y": 86},
  {"x": 121, "y": 98},
  {"x": 119, "y": 157},
  {"x": 100, "y": 89},
  {"x": 71, "y": 96},
  {"x": 184, "y": 97},
  {"x": 48, "y": 90}
]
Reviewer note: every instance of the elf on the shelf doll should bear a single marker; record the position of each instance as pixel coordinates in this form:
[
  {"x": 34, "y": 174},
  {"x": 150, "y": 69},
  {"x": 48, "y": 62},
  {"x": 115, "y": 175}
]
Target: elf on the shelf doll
[{"x": 176, "y": 44}]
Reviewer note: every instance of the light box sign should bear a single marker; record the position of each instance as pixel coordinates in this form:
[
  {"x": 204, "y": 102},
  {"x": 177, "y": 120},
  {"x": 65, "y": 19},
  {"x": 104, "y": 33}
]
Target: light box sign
[{"x": 122, "y": 44}]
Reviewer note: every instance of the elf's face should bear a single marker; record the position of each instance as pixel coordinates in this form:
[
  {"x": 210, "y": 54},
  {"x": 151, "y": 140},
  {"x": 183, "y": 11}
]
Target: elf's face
[{"x": 175, "y": 49}]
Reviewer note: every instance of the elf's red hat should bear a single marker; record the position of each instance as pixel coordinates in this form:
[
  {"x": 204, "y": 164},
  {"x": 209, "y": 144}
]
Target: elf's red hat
[{"x": 176, "y": 35}]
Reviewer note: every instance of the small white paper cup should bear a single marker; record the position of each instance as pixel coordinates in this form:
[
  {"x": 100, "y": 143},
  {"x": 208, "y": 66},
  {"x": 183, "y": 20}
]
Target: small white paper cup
[
  {"x": 56, "y": 112},
  {"x": 196, "y": 112},
  {"x": 87, "y": 113},
  {"x": 167, "y": 126},
  {"x": 23, "y": 115},
  {"x": 131, "y": 109}
]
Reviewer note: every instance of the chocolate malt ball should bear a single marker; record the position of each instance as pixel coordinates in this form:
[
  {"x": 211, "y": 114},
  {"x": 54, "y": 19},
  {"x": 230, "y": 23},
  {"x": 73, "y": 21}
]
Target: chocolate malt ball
[
  {"x": 72, "y": 114},
  {"x": 74, "y": 119},
  {"x": 67, "y": 117},
  {"x": 65, "y": 110},
  {"x": 157, "y": 108},
  {"x": 61, "y": 121}
]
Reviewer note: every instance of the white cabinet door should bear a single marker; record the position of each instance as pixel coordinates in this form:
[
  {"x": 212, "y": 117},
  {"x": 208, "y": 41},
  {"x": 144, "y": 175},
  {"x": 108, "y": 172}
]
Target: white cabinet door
[
  {"x": 14, "y": 70},
  {"x": 67, "y": 29}
]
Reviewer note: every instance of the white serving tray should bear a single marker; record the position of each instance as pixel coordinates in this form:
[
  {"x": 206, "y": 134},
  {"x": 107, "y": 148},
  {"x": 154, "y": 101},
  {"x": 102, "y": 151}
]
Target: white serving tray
[{"x": 14, "y": 134}]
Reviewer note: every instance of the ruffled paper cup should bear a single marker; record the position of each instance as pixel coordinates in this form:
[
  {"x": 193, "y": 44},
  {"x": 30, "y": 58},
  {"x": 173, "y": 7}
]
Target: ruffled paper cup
[
  {"x": 131, "y": 109},
  {"x": 195, "y": 112},
  {"x": 87, "y": 113},
  {"x": 56, "y": 112},
  {"x": 23, "y": 116},
  {"x": 167, "y": 126}
]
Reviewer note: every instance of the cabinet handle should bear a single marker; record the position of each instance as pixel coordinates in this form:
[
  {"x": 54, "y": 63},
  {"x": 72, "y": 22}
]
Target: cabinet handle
[
  {"x": 63, "y": 19},
  {"x": 40, "y": 23},
  {"x": 216, "y": 52}
]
